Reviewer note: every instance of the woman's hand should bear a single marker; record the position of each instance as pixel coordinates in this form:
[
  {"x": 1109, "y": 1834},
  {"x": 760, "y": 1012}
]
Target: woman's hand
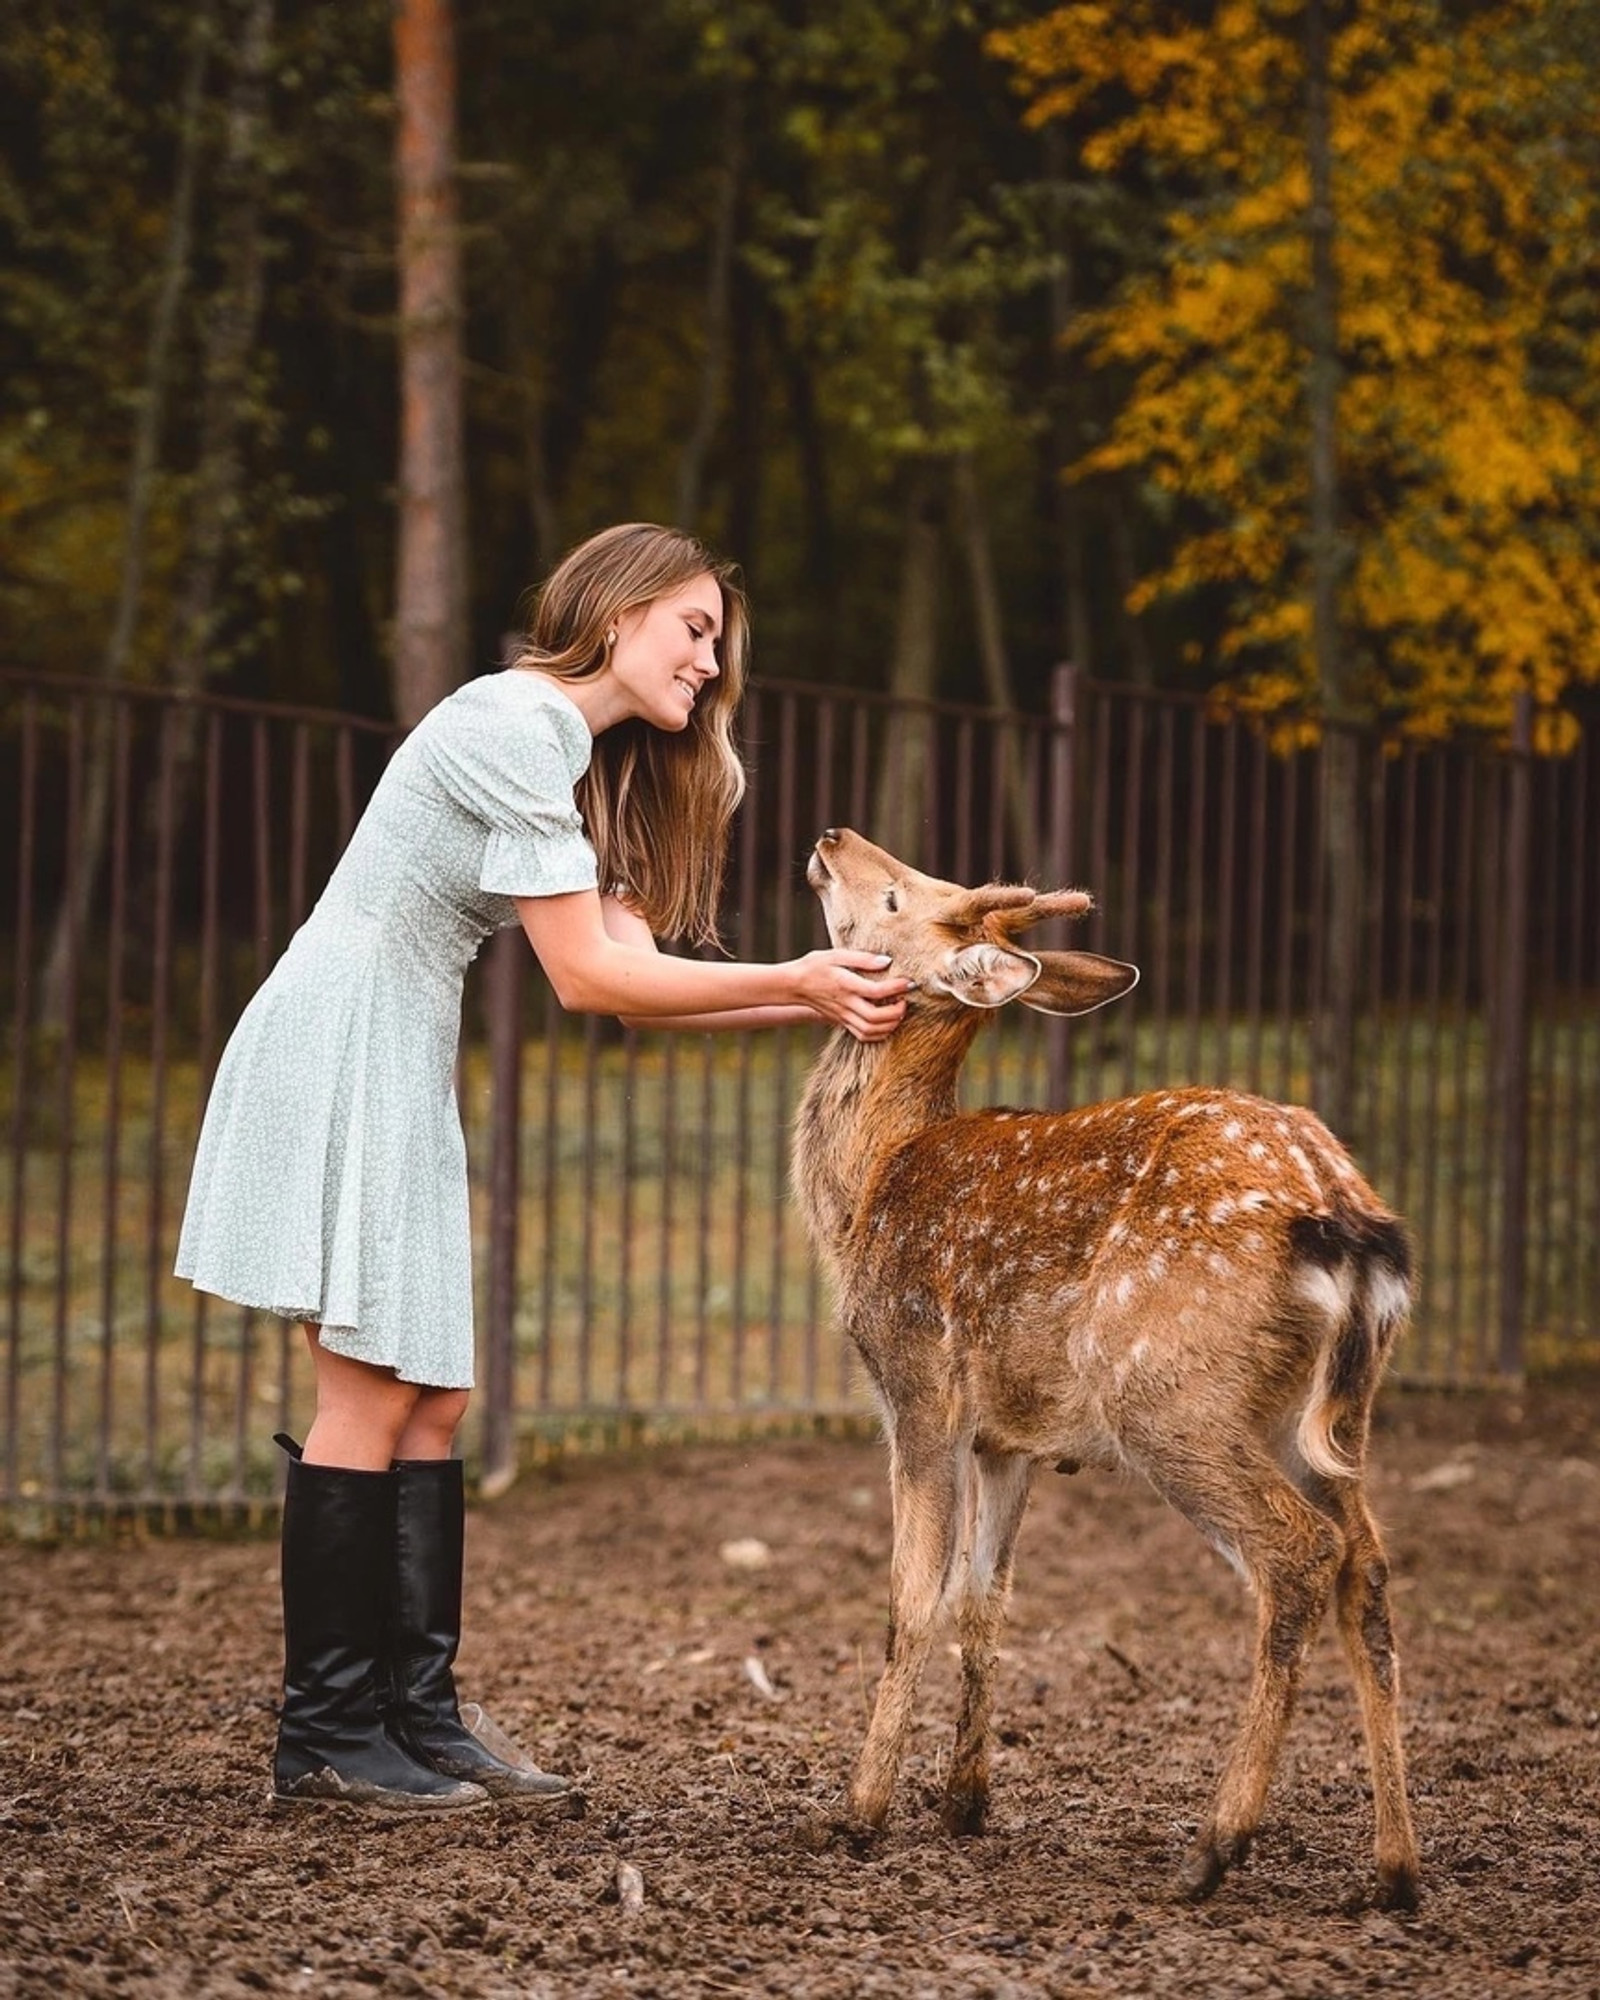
[{"x": 855, "y": 990}]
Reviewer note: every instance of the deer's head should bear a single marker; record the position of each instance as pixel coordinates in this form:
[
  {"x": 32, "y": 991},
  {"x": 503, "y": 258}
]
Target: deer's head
[{"x": 958, "y": 945}]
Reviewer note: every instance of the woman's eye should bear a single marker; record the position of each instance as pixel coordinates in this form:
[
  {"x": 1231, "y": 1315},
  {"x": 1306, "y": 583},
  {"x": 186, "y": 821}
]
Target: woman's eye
[{"x": 696, "y": 632}]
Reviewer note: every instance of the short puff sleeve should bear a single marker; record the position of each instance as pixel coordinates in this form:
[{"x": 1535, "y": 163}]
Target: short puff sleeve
[{"x": 510, "y": 757}]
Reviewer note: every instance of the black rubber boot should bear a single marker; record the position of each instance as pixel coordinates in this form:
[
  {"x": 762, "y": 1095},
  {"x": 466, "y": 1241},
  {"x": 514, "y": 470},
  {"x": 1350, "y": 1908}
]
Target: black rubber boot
[
  {"x": 338, "y": 1570},
  {"x": 430, "y": 1525}
]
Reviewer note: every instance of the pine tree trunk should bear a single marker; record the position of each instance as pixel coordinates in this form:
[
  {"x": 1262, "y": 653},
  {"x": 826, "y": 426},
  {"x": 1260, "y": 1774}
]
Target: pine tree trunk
[
  {"x": 719, "y": 294},
  {"x": 1340, "y": 823},
  {"x": 993, "y": 659},
  {"x": 1066, "y": 421},
  {"x": 899, "y": 820},
  {"x": 227, "y": 341},
  {"x": 430, "y": 629}
]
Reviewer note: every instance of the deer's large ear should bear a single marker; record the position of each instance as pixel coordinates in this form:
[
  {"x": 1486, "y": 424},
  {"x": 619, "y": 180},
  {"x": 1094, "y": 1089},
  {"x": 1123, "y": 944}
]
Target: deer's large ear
[
  {"x": 985, "y": 975},
  {"x": 1076, "y": 982}
]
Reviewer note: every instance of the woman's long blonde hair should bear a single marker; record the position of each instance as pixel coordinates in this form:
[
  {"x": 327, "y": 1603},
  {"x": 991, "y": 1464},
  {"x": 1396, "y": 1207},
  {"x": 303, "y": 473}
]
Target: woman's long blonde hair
[{"x": 656, "y": 804}]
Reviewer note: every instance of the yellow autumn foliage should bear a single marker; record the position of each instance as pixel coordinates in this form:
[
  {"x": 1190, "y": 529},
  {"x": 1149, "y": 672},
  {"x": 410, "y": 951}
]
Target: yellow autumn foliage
[{"x": 1466, "y": 212}]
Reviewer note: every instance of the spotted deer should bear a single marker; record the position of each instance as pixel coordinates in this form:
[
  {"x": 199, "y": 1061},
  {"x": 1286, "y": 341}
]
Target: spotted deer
[{"x": 1193, "y": 1283}]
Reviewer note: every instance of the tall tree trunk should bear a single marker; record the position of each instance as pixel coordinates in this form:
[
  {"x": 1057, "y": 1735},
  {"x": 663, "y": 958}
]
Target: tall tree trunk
[
  {"x": 555, "y": 422},
  {"x": 899, "y": 819},
  {"x": 1340, "y": 817},
  {"x": 1136, "y": 647},
  {"x": 746, "y": 382},
  {"x": 819, "y": 576},
  {"x": 228, "y": 340},
  {"x": 430, "y": 635},
  {"x": 992, "y": 656},
  {"x": 72, "y": 913},
  {"x": 719, "y": 291},
  {"x": 1066, "y": 423}
]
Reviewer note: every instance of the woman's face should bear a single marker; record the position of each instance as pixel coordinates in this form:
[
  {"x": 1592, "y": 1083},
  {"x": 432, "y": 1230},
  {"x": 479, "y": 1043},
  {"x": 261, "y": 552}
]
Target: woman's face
[{"x": 665, "y": 652}]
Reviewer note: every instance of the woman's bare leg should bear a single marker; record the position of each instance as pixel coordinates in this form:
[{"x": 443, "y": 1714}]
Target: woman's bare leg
[
  {"x": 362, "y": 1411},
  {"x": 431, "y": 1428}
]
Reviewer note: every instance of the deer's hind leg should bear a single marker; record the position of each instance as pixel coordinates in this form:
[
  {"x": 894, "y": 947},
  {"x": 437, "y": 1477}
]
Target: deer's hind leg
[
  {"x": 1292, "y": 1553},
  {"x": 928, "y": 1475},
  {"x": 1362, "y": 1599},
  {"x": 998, "y": 1497}
]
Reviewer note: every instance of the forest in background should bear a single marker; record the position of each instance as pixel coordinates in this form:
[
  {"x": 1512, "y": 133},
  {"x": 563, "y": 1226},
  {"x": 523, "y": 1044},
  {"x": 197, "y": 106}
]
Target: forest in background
[{"x": 1250, "y": 347}]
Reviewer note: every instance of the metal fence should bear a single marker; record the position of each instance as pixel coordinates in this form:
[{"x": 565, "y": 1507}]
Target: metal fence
[{"x": 639, "y": 1266}]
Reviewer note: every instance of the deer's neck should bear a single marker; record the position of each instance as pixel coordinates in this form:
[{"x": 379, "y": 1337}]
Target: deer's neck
[{"x": 862, "y": 1100}]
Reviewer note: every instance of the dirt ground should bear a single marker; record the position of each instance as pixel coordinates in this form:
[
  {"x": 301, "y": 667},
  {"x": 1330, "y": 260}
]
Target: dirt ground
[{"x": 712, "y": 1709}]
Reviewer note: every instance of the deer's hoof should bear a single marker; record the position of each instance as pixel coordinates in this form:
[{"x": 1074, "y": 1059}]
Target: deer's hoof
[
  {"x": 1209, "y": 1860},
  {"x": 1398, "y": 1888},
  {"x": 964, "y": 1813},
  {"x": 832, "y": 1833}
]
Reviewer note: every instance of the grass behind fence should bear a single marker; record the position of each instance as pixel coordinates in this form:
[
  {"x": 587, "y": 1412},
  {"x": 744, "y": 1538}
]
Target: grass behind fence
[{"x": 663, "y": 1273}]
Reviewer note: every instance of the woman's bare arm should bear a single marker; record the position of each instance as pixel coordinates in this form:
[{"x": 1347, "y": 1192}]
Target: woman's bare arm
[{"x": 601, "y": 959}]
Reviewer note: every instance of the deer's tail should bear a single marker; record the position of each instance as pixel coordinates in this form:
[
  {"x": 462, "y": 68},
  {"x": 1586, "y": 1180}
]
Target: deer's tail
[{"x": 1359, "y": 1265}]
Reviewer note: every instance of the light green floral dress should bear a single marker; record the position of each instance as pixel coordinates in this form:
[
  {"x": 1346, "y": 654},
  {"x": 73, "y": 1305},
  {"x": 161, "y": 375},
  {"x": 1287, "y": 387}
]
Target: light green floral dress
[{"x": 330, "y": 1182}]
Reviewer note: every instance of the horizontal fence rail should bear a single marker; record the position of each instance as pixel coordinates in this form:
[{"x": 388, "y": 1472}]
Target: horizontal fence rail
[{"x": 639, "y": 1264}]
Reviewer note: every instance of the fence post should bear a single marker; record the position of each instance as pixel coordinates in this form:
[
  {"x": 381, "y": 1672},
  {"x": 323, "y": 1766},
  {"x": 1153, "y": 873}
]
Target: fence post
[
  {"x": 507, "y": 959},
  {"x": 1511, "y": 1053},
  {"x": 1063, "y": 770}
]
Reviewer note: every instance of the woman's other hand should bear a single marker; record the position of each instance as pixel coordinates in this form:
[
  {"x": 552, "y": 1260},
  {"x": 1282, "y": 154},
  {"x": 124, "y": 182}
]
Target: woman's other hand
[{"x": 855, "y": 990}]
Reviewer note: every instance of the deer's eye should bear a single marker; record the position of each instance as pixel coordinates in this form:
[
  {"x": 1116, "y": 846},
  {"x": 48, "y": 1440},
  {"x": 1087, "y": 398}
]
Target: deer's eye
[{"x": 891, "y": 900}]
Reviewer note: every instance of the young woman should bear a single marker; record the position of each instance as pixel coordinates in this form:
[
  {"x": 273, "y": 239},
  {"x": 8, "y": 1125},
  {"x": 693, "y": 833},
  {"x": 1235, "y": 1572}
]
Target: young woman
[{"x": 584, "y": 792}]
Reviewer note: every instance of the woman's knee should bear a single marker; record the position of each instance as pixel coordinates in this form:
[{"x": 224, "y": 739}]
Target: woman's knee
[{"x": 435, "y": 1418}]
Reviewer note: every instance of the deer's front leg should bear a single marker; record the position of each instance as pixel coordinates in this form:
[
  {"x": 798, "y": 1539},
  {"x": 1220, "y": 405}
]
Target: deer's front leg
[
  {"x": 926, "y": 1494},
  {"x": 999, "y": 1494}
]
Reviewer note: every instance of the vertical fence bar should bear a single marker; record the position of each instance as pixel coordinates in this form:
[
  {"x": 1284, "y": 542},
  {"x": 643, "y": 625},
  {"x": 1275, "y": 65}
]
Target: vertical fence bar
[
  {"x": 157, "y": 1248},
  {"x": 65, "y": 1098},
  {"x": 791, "y": 842},
  {"x": 1166, "y": 807},
  {"x": 1511, "y": 1066},
  {"x": 1255, "y": 888},
  {"x": 1576, "y": 1096},
  {"x": 1130, "y": 879},
  {"x": 116, "y": 934},
  {"x": 1225, "y": 879},
  {"x": 1062, "y": 807},
  {"x": 1194, "y": 913},
  {"x": 210, "y": 929},
  {"x": 1429, "y": 1196},
  {"x": 1288, "y": 861},
  {"x": 21, "y": 1077}
]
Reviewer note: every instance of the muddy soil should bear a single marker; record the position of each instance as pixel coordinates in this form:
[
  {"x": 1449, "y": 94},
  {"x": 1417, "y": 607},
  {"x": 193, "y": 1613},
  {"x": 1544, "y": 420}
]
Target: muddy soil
[{"x": 712, "y": 1710}]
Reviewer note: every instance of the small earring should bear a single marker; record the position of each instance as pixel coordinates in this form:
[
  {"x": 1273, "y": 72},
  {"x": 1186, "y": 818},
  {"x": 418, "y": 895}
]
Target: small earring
[{"x": 611, "y": 636}]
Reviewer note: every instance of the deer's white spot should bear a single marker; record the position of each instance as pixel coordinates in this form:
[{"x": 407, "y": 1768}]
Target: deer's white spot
[
  {"x": 1255, "y": 1198},
  {"x": 1116, "y": 1232},
  {"x": 1297, "y": 1154},
  {"x": 1233, "y": 1129},
  {"x": 1126, "y": 1287},
  {"x": 1220, "y": 1264},
  {"x": 1221, "y": 1210}
]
